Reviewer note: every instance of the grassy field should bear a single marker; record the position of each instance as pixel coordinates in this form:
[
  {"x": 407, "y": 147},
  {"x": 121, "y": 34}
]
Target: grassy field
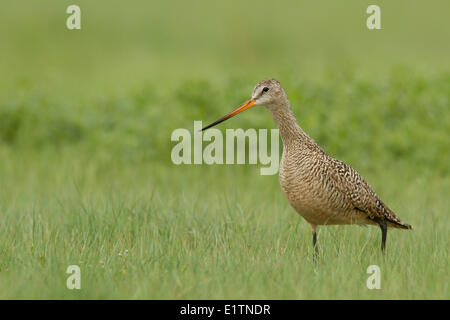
[{"x": 86, "y": 176}]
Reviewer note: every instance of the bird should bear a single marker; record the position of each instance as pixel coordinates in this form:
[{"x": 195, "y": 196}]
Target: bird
[{"x": 322, "y": 189}]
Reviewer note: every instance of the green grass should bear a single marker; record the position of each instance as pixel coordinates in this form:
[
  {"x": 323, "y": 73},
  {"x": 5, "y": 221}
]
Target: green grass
[
  {"x": 85, "y": 125},
  {"x": 203, "y": 237}
]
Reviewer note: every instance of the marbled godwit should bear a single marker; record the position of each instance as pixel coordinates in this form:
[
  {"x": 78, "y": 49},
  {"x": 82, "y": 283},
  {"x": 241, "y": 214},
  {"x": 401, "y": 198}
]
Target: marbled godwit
[{"x": 323, "y": 190}]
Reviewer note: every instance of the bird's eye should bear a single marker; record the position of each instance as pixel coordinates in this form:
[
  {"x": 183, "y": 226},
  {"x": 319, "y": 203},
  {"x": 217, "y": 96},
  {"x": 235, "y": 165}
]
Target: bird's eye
[{"x": 265, "y": 89}]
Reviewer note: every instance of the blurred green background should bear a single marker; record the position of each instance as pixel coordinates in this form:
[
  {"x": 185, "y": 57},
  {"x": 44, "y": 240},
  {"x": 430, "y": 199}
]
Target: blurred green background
[
  {"x": 85, "y": 123},
  {"x": 112, "y": 85}
]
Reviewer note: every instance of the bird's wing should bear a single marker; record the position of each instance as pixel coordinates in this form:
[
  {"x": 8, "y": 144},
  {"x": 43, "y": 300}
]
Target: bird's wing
[{"x": 359, "y": 193}]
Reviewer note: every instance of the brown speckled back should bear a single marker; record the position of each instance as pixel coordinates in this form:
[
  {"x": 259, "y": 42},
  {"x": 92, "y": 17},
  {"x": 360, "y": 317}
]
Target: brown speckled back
[{"x": 324, "y": 190}]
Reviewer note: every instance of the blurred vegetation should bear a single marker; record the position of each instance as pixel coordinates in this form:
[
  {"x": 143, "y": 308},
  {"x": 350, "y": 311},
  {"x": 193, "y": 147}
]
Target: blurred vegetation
[
  {"x": 404, "y": 120},
  {"x": 134, "y": 73},
  {"x": 86, "y": 118}
]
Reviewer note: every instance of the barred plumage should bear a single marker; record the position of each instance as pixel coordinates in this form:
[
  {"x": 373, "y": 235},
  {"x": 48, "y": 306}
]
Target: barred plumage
[{"x": 323, "y": 190}]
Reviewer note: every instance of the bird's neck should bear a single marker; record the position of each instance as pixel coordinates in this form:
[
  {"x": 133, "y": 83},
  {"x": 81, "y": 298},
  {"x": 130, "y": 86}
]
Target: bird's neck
[{"x": 290, "y": 131}]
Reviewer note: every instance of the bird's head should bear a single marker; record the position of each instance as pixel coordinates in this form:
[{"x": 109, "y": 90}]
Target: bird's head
[{"x": 268, "y": 92}]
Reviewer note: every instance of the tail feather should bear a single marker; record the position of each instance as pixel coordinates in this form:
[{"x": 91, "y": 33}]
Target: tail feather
[
  {"x": 392, "y": 219},
  {"x": 399, "y": 224}
]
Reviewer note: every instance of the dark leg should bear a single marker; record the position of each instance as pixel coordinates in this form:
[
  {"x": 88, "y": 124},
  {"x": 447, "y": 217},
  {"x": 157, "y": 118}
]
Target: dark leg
[
  {"x": 383, "y": 226},
  {"x": 315, "y": 239},
  {"x": 314, "y": 234},
  {"x": 316, "y": 250}
]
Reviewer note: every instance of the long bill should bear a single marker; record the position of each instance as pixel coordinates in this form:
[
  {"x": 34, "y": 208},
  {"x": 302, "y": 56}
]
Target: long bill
[{"x": 246, "y": 105}]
